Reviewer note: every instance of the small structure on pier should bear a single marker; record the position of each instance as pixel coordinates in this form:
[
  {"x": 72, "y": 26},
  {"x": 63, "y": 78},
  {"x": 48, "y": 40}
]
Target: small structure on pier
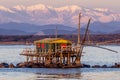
[{"x": 53, "y": 52}]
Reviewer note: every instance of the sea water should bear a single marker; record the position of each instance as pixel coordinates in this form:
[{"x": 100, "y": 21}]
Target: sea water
[{"x": 91, "y": 56}]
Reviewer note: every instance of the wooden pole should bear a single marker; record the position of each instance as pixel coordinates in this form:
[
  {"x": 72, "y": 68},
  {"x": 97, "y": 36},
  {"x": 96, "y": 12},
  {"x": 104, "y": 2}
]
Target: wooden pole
[
  {"x": 56, "y": 33},
  {"x": 68, "y": 58},
  {"x": 61, "y": 56},
  {"x": 84, "y": 38},
  {"x": 79, "y": 28}
]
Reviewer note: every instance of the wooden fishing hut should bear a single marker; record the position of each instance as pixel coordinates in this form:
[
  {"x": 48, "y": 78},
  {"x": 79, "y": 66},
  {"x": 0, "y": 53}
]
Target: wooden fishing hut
[
  {"x": 53, "y": 52},
  {"x": 57, "y": 52}
]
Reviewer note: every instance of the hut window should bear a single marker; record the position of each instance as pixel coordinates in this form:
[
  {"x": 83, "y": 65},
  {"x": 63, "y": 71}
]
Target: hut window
[
  {"x": 63, "y": 45},
  {"x": 43, "y": 45},
  {"x": 38, "y": 45}
]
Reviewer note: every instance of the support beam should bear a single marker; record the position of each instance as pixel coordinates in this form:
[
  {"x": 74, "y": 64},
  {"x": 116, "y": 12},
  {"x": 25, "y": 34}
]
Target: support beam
[{"x": 79, "y": 28}]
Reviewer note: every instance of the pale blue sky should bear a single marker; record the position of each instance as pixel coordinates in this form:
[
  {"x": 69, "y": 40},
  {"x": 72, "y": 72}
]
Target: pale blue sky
[{"x": 110, "y": 4}]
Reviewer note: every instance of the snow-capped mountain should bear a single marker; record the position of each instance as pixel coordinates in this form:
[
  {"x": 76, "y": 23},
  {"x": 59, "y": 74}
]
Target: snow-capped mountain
[
  {"x": 67, "y": 15},
  {"x": 103, "y": 20}
]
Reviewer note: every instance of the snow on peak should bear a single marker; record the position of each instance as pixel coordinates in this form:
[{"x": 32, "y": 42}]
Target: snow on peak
[
  {"x": 19, "y": 7},
  {"x": 37, "y": 7},
  {"x": 68, "y": 8},
  {"x": 101, "y": 9},
  {"x": 6, "y": 9},
  {"x": 30, "y": 8},
  {"x": 74, "y": 8}
]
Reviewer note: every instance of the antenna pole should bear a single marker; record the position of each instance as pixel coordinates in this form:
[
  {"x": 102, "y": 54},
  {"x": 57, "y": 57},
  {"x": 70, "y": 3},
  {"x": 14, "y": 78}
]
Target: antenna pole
[
  {"x": 56, "y": 33},
  {"x": 79, "y": 28}
]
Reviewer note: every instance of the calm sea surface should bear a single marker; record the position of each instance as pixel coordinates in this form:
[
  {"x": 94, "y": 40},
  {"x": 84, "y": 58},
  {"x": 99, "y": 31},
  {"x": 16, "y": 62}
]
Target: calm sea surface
[{"x": 91, "y": 56}]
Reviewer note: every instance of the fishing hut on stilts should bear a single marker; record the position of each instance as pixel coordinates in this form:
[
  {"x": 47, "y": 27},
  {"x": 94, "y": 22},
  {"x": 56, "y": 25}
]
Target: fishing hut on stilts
[{"x": 57, "y": 52}]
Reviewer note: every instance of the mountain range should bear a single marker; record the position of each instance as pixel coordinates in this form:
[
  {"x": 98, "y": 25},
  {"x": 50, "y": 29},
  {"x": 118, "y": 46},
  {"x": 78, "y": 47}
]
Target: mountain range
[
  {"x": 43, "y": 19},
  {"x": 13, "y": 28}
]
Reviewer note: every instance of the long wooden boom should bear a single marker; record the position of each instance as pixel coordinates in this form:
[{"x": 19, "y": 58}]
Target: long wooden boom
[{"x": 102, "y": 48}]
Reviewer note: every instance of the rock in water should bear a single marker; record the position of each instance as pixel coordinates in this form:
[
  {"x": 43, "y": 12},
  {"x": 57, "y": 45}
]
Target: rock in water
[
  {"x": 4, "y": 65},
  {"x": 11, "y": 65},
  {"x": 86, "y": 66}
]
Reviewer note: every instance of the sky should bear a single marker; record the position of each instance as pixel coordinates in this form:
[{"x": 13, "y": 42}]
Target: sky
[{"x": 110, "y": 4}]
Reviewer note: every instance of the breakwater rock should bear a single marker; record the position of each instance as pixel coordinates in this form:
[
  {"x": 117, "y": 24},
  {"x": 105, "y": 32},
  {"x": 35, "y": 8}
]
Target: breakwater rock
[
  {"x": 41, "y": 65},
  {"x": 6, "y": 65}
]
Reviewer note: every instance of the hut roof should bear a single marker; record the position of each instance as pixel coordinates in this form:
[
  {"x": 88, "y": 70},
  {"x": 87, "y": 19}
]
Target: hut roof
[
  {"x": 61, "y": 41},
  {"x": 53, "y": 40}
]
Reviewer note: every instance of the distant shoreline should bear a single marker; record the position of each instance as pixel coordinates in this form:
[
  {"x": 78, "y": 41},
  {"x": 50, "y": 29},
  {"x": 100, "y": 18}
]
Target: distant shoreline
[
  {"x": 101, "y": 39},
  {"x": 23, "y": 43},
  {"x": 14, "y": 43}
]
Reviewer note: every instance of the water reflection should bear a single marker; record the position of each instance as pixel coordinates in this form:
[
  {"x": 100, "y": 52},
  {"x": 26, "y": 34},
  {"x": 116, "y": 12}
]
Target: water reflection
[
  {"x": 81, "y": 76},
  {"x": 58, "y": 76},
  {"x": 55, "y": 74}
]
